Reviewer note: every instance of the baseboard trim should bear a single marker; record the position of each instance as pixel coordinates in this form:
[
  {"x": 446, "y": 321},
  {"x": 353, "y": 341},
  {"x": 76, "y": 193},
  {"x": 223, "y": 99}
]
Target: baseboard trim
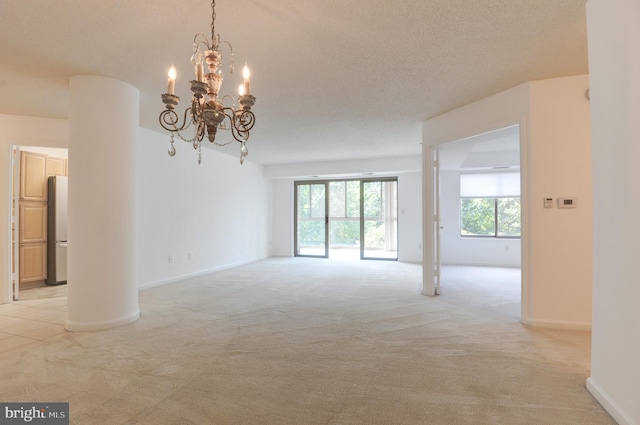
[
  {"x": 98, "y": 326},
  {"x": 196, "y": 274},
  {"x": 501, "y": 266},
  {"x": 608, "y": 404},
  {"x": 557, "y": 324}
]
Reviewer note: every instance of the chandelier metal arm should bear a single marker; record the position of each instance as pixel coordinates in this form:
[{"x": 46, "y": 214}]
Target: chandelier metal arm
[
  {"x": 169, "y": 120},
  {"x": 241, "y": 124},
  {"x": 201, "y": 40}
]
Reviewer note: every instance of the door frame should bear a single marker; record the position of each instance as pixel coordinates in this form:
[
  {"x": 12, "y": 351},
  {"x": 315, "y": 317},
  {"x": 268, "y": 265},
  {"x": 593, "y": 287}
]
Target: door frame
[
  {"x": 362, "y": 218},
  {"x": 14, "y": 223},
  {"x": 326, "y": 217},
  {"x": 429, "y": 189},
  {"x": 7, "y": 292},
  {"x": 431, "y": 223}
]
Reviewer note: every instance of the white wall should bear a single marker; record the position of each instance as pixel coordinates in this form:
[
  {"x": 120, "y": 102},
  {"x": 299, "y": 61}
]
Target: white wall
[
  {"x": 410, "y": 217},
  {"x": 560, "y": 240},
  {"x": 219, "y": 211},
  {"x": 491, "y": 252},
  {"x": 407, "y": 170},
  {"x": 555, "y": 155},
  {"x": 102, "y": 269},
  {"x": 282, "y": 225},
  {"x": 614, "y": 64}
]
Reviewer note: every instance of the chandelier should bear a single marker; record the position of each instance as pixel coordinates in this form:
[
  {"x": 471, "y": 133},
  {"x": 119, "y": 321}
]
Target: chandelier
[{"x": 207, "y": 113}]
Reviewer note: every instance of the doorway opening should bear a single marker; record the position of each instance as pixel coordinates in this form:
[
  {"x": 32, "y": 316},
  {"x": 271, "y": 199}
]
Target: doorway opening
[
  {"x": 478, "y": 207},
  {"x": 347, "y": 219},
  {"x": 30, "y": 256}
]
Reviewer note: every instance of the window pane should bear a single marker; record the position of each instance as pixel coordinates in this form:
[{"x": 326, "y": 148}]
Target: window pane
[
  {"x": 477, "y": 217},
  {"x": 372, "y": 199},
  {"x": 345, "y": 233},
  {"x": 304, "y": 206},
  {"x": 374, "y": 234},
  {"x": 337, "y": 200},
  {"x": 353, "y": 198},
  {"x": 317, "y": 200},
  {"x": 311, "y": 233},
  {"x": 509, "y": 217}
]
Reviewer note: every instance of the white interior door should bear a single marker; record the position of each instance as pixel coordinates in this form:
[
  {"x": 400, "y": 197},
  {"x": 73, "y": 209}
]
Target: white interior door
[
  {"x": 15, "y": 225},
  {"x": 431, "y": 208}
]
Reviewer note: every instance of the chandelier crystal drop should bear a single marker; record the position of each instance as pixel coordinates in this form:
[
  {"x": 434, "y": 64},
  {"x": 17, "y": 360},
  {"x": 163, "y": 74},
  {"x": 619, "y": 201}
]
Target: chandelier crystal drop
[{"x": 207, "y": 113}]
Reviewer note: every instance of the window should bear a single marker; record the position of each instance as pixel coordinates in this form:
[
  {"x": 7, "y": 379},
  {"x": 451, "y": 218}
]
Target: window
[{"x": 490, "y": 205}]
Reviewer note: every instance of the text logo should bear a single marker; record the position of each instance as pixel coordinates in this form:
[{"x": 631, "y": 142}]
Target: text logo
[{"x": 34, "y": 413}]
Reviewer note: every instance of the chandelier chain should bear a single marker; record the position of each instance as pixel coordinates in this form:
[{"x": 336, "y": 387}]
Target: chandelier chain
[{"x": 213, "y": 20}]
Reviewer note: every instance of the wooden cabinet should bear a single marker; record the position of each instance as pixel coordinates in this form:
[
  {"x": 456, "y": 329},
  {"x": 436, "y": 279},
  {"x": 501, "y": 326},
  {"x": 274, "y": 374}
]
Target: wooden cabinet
[
  {"x": 56, "y": 166},
  {"x": 33, "y": 262},
  {"x": 33, "y": 177},
  {"x": 33, "y": 222}
]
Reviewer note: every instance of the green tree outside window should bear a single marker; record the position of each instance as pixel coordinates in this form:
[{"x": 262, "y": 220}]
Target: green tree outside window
[{"x": 490, "y": 217}]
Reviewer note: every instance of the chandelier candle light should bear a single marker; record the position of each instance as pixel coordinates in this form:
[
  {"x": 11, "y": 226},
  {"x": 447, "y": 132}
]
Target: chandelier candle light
[{"x": 207, "y": 112}]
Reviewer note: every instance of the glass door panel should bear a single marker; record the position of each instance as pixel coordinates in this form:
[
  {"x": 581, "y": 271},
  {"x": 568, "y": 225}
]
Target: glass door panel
[
  {"x": 311, "y": 219},
  {"x": 344, "y": 219},
  {"x": 379, "y": 223}
]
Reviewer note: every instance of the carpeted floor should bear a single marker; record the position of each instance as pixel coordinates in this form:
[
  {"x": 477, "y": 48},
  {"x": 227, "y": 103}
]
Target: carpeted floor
[{"x": 311, "y": 341}]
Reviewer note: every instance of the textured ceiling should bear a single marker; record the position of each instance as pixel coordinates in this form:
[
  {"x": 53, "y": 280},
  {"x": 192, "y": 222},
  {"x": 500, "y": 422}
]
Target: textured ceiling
[
  {"x": 498, "y": 149},
  {"x": 334, "y": 79}
]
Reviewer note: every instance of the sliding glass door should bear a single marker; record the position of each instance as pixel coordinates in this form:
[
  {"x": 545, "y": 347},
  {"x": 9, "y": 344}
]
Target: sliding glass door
[
  {"x": 311, "y": 219},
  {"x": 379, "y": 223},
  {"x": 347, "y": 219}
]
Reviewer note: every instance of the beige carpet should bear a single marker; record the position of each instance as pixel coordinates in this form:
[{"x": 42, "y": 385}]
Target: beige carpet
[{"x": 313, "y": 341}]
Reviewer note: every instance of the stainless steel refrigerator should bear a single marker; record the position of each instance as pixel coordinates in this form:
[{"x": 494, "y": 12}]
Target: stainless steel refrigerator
[{"x": 57, "y": 231}]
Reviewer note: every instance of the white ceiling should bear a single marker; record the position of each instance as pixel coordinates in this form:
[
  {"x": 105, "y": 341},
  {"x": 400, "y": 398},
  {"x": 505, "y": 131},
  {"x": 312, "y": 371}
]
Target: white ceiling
[
  {"x": 498, "y": 149},
  {"x": 334, "y": 79}
]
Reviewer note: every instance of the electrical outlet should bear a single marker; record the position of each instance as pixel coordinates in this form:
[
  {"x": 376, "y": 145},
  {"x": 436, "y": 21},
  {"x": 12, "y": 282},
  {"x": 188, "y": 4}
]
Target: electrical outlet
[
  {"x": 189, "y": 256},
  {"x": 170, "y": 259}
]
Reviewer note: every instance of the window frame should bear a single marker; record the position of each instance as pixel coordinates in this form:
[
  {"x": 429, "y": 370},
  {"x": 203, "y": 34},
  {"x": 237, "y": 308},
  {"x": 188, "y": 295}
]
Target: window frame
[{"x": 496, "y": 223}]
